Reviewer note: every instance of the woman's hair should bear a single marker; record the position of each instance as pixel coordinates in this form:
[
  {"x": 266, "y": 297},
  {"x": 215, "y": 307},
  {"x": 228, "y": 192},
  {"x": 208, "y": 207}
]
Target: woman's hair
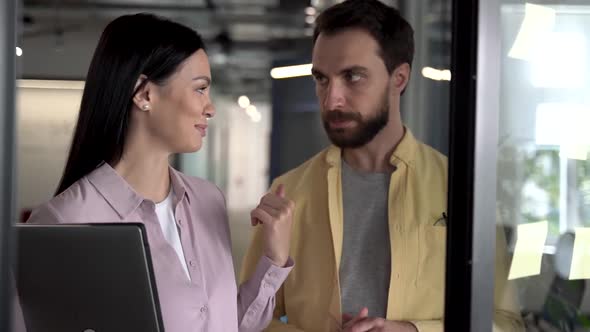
[{"x": 130, "y": 46}]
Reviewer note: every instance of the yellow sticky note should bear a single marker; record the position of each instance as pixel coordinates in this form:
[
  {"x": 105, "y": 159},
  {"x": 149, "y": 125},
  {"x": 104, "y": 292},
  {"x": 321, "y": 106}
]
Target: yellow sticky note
[
  {"x": 528, "y": 251},
  {"x": 538, "y": 21},
  {"x": 574, "y": 151},
  {"x": 580, "y": 268}
]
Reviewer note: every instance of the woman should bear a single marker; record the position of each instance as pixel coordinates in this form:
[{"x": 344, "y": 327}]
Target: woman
[{"x": 147, "y": 97}]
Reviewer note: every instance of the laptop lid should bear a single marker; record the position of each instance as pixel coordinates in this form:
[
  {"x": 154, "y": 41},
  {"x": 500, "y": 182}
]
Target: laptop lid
[{"x": 86, "y": 278}]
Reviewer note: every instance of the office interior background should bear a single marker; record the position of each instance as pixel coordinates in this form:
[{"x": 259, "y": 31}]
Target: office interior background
[{"x": 268, "y": 122}]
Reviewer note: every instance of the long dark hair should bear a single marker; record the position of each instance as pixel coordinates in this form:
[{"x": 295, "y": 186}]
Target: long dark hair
[{"x": 130, "y": 46}]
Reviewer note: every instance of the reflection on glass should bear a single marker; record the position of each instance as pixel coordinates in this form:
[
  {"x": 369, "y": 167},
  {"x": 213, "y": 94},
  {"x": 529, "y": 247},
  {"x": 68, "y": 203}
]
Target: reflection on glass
[{"x": 543, "y": 189}]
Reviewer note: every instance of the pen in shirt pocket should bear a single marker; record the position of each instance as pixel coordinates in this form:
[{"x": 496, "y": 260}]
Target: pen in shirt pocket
[{"x": 442, "y": 221}]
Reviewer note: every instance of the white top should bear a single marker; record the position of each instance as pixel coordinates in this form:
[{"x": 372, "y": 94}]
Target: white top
[{"x": 165, "y": 213}]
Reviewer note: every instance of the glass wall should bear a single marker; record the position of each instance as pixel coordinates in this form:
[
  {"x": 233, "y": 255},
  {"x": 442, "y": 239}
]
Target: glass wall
[{"x": 543, "y": 171}]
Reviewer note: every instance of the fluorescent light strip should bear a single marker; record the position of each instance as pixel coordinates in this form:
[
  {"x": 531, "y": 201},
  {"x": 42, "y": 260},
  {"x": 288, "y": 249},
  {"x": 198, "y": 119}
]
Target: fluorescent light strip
[
  {"x": 436, "y": 74},
  {"x": 291, "y": 71},
  {"x": 50, "y": 84}
]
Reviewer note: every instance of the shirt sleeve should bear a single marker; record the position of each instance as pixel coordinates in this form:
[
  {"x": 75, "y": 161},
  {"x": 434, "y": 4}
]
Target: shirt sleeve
[{"x": 256, "y": 296}]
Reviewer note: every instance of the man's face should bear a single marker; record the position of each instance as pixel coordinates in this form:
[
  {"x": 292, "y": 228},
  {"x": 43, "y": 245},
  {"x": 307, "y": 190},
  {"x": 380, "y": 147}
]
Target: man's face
[{"x": 352, "y": 85}]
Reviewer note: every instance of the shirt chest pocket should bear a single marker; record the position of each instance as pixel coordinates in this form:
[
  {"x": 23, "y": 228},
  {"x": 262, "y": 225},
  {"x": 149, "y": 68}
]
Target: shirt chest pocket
[{"x": 432, "y": 255}]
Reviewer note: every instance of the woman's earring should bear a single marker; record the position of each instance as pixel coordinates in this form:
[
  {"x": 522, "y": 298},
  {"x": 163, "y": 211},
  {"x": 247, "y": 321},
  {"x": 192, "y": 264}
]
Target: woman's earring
[{"x": 145, "y": 107}]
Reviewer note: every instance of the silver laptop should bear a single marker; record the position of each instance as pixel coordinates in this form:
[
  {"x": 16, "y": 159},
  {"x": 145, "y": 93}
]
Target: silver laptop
[{"x": 86, "y": 278}]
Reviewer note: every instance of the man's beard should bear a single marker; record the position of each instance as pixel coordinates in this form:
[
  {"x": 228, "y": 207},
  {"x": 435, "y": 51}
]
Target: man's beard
[{"x": 365, "y": 129}]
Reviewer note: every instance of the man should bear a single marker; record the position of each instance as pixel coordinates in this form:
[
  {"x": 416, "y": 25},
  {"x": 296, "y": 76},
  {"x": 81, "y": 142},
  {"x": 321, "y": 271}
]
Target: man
[{"x": 369, "y": 224}]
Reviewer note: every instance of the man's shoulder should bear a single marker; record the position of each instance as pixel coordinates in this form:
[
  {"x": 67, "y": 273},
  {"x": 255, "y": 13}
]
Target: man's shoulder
[
  {"x": 427, "y": 156},
  {"x": 308, "y": 171},
  {"x": 431, "y": 171}
]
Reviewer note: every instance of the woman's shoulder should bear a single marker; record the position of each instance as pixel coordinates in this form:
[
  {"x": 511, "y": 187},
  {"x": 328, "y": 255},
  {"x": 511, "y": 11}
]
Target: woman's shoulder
[{"x": 71, "y": 204}]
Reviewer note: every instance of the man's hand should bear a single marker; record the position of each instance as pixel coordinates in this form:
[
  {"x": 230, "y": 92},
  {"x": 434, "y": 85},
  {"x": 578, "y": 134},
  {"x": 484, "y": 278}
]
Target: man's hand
[
  {"x": 275, "y": 213},
  {"x": 363, "y": 323},
  {"x": 348, "y": 320}
]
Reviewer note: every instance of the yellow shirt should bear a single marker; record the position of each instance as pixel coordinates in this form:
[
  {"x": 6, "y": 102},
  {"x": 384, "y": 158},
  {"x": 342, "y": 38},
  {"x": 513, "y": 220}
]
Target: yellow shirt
[{"x": 310, "y": 297}]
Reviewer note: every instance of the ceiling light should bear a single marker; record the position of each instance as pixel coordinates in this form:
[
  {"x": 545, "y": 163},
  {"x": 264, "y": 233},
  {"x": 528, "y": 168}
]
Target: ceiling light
[
  {"x": 291, "y": 71},
  {"x": 436, "y": 74},
  {"x": 244, "y": 101},
  {"x": 256, "y": 117},
  {"x": 49, "y": 84},
  {"x": 250, "y": 110}
]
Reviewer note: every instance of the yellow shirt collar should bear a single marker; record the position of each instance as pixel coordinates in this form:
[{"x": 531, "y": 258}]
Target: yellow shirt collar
[{"x": 404, "y": 152}]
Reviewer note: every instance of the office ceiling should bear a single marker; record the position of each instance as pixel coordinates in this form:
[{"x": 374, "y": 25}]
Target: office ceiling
[{"x": 243, "y": 37}]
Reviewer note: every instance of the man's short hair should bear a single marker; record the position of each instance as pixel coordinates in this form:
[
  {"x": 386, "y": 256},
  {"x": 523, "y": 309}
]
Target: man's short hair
[{"x": 392, "y": 32}]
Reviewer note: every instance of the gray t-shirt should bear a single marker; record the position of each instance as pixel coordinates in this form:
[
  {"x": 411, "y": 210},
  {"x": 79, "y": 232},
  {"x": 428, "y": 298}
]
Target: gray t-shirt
[{"x": 366, "y": 255}]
